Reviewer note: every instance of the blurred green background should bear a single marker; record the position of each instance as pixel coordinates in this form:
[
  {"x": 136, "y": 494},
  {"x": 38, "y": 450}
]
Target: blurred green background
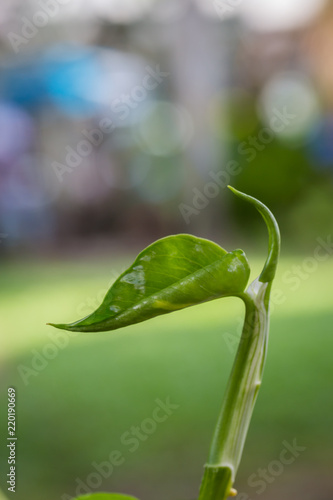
[
  {"x": 123, "y": 122},
  {"x": 73, "y": 408}
]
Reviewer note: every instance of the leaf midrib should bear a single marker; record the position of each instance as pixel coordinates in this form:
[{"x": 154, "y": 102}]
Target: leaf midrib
[{"x": 163, "y": 289}]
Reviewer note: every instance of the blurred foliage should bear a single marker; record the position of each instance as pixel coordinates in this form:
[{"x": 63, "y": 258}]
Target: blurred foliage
[
  {"x": 278, "y": 173},
  {"x": 311, "y": 216}
]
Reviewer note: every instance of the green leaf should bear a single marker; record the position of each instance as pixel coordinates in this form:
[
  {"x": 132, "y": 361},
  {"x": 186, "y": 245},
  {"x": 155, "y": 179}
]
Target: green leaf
[
  {"x": 105, "y": 496},
  {"x": 172, "y": 273}
]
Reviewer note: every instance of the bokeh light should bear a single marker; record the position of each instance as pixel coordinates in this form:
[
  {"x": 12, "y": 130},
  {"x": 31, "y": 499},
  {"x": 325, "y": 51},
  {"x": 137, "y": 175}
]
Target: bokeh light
[
  {"x": 279, "y": 16},
  {"x": 294, "y": 95},
  {"x": 164, "y": 129}
]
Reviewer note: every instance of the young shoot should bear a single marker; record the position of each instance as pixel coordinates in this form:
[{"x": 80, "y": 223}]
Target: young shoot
[{"x": 181, "y": 271}]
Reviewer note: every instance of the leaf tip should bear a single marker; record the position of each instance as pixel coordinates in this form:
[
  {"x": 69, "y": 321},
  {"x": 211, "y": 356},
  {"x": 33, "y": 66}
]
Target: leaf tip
[
  {"x": 235, "y": 191},
  {"x": 58, "y": 325}
]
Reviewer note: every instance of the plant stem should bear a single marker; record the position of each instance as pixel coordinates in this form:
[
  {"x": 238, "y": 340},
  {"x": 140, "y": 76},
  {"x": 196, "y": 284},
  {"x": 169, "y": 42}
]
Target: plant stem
[
  {"x": 245, "y": 379},
  {"x": 241, "y": 393}
]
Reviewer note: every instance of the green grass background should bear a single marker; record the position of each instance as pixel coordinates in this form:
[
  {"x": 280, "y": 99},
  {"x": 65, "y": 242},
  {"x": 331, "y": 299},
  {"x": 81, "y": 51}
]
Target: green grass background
[{"x": 74, "y": 411}]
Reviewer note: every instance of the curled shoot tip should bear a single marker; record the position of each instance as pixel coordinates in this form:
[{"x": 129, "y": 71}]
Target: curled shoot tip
[{"x": 268, "y": 272}]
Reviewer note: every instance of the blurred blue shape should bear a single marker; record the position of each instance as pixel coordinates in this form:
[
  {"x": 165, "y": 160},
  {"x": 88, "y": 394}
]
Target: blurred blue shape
[
  {"x": 64, "y": 76},
  {"x": 72, "y": 75},
  {"x": 79, "y": 82},
  {"x": 320, "y": 146},
  {"x": 23, "y": 84}
]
